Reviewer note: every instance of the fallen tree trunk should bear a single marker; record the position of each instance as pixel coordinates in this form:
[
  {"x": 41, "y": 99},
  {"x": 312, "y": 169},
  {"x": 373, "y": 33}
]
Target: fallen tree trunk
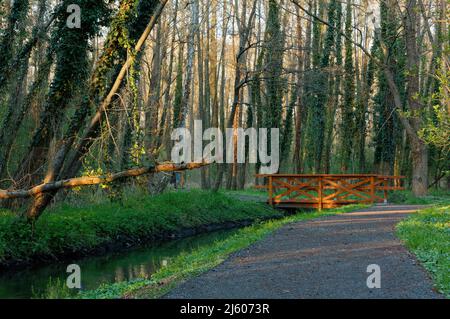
[{"x": 96, "y": 180}]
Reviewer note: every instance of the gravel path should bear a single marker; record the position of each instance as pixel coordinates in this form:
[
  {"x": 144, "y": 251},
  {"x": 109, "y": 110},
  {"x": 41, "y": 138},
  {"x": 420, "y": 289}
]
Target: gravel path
[{"x": 322, "y": 258}]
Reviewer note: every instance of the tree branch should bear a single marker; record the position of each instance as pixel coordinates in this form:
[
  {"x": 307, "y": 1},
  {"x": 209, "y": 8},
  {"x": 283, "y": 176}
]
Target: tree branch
[
  {"x": 295, "y": 2},
  {"x": 96, "y": 180},
  {"x": 382, "y": 64},
  {"x": 93, "y": 125}
]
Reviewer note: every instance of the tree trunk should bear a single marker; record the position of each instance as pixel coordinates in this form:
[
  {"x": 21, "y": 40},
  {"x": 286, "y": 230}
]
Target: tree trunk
[
  {"x": 419, "y": 154},
  {"x": 73, "y": 163},
  {"x": 238, "y": 81},
  {"x": 412, "y": 124}
]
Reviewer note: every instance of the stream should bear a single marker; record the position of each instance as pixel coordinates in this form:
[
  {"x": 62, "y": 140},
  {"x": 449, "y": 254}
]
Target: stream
[{"x": 110, "y": 268}]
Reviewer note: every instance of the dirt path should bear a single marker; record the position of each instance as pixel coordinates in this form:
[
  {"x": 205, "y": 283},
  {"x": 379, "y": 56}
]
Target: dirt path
[{"x": 324, "y": 258}]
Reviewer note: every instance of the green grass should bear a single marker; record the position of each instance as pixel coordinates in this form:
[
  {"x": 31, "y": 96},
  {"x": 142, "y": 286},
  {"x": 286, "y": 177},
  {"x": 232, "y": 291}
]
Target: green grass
[
  {"x": 251, "y": 192},
  {"x": 69, "y": 230},
  {"x": 427, "y": 235},
  {"x": 407, "y": 197},
  {"x": 192, "y": 264},
  {"x": 56, "y": 289}
]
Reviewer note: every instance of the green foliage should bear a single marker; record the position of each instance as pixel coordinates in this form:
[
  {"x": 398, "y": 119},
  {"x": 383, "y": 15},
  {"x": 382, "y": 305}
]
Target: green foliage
[
  {"x": 69, "y": 230},
  {"x": 318, "y": 91},
  {"x": 316, "y": 37},
  {"x": 436, "y": 130},
  {"x": 387, "y": 128},
  {"x": 348, "y": 107},
  {"x": 338, "y": 30},
  {"x": 124, "y": 30},
  {"x": 427, "y": 234},
  {"x": 116, "y": 290},
  {"x": 15, "y": 25},
  {"x": 56, "y": 289},
  {"x": 72, "y": 70},
  {"x": 273, "y": 61},
  {"x": 407, "y": 197},
  {"x": 330, "y": 35},
  {"x": 178, "y": 99},
  {"x": 117, "y": 45}
]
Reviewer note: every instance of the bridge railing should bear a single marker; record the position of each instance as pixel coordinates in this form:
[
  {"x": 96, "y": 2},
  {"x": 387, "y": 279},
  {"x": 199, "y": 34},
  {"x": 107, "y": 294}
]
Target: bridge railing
[{"x": 328, "y": 191}]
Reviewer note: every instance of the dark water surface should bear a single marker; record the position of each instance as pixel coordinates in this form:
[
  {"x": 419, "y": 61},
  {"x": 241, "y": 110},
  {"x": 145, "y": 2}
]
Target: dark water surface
[{"x": 114, "y": 267}]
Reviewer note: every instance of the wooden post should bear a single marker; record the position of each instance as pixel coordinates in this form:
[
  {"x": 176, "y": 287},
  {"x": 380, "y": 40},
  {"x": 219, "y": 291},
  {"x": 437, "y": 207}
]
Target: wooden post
[
  {"x": 372, "y": 189},
  {"x": 320, "y": 193},
  {"x": 271, "y": 191},
  {"x": 386, "y": 184}
]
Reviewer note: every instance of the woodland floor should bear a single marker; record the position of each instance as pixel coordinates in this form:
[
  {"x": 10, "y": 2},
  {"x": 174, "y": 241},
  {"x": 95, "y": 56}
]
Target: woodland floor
[{"x": 322, "y": 258}]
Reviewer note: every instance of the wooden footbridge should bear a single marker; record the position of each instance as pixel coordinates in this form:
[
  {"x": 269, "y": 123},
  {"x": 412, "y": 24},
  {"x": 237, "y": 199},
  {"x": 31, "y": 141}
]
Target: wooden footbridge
[{"x": 328, "y": 191}]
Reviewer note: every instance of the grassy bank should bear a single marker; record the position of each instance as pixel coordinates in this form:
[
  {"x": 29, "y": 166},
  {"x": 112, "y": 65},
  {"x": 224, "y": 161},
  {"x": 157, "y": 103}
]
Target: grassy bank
[
  {"x": 427, "y": 235},
  {"x": 434, "y": 197},
  {"x": 189, "y": 265},
  {"x": 77, "y": 231}
]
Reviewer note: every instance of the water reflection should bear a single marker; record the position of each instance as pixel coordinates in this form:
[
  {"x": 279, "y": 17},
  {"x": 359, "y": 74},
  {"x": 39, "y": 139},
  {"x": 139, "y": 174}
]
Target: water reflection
[{"x": 114, "y": 267}]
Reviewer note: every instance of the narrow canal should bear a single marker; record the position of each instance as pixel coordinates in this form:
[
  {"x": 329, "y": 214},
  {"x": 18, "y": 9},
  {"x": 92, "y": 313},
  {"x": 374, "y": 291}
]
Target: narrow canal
[{"x": 114, "y": 267}]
